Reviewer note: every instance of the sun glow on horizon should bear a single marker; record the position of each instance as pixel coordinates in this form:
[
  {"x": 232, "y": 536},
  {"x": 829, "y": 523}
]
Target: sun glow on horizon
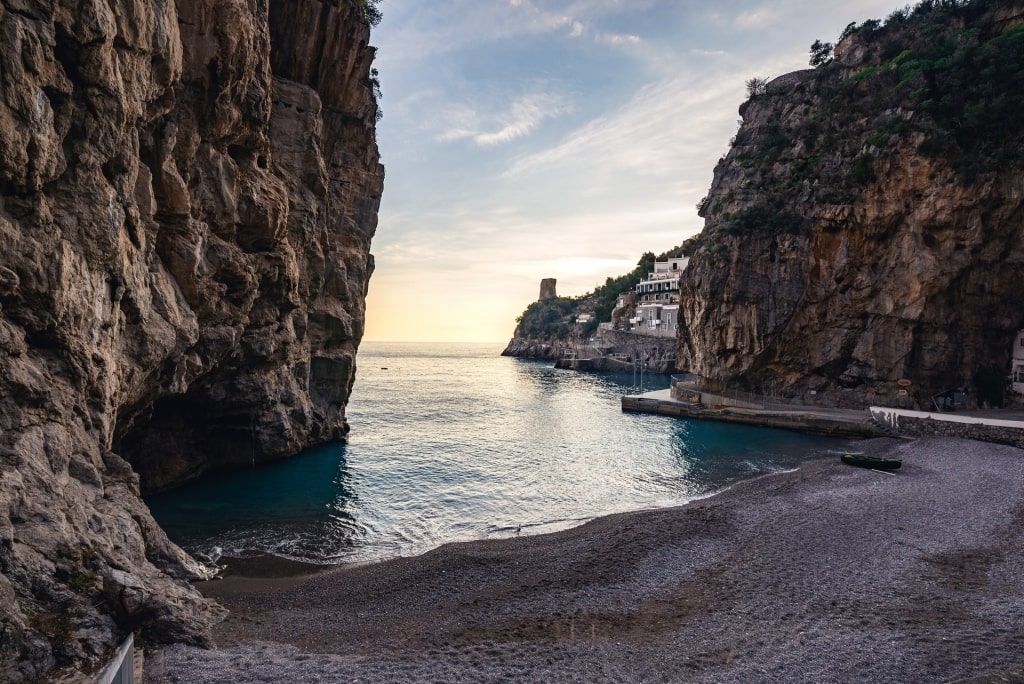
[{"x": 559, "y": 140}]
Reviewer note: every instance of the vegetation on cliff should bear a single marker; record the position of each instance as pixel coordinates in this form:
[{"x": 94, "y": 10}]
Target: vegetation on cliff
[
  {"x": 927, "y": 77},
  {"x": 369, "y": 10},
  {"x": 555, "y": 318},
  {"x": 865, "y": 226}
]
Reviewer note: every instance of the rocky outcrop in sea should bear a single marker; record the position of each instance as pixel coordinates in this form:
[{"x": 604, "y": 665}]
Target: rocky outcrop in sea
[
  {"x": 864, "y": 236},
  {"x": 188, "y": 191}
]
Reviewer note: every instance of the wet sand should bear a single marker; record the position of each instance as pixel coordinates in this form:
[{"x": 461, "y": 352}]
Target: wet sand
[{"x": 827, "y": 574}]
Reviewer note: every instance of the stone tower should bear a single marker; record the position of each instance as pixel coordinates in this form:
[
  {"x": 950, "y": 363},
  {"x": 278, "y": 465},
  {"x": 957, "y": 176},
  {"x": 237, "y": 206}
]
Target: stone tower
[{"x": 547, "y": 289}]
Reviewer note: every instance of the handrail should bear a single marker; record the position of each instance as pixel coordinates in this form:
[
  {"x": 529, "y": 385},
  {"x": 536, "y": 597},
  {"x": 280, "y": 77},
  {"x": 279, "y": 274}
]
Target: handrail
[{"x": 120, "y": 670}]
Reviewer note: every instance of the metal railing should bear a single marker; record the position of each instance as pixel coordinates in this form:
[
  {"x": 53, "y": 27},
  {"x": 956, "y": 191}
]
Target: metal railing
[{"x": 120, "y": 670}]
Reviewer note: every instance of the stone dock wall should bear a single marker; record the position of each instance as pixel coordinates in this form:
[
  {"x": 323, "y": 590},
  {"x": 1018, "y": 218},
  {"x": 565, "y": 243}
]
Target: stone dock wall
[
  {"x": 846, "y": 424},
  {"x": 922, "y": 424}
]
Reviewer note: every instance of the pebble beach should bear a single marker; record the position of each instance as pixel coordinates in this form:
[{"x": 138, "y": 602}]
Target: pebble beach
[{"x": 828, "y": 573}]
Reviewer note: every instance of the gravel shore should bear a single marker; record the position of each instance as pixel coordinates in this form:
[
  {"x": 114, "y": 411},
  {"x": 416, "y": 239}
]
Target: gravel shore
[{"x": 826, "y": 574}]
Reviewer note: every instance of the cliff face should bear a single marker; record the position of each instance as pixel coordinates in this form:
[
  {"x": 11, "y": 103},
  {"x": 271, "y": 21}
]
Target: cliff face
[
  {"x": 867, "y": 225},
  {"x": 188, "y": 191}
]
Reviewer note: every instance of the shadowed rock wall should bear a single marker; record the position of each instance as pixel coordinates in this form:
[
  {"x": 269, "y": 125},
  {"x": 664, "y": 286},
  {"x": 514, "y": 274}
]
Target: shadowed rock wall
[{"x": 188, "y": 191}]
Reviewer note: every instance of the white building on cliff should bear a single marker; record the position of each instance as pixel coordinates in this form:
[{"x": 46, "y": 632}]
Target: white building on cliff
[
  {"x": 1017, "y": 378},
  {"x": 657, "y": 311}
]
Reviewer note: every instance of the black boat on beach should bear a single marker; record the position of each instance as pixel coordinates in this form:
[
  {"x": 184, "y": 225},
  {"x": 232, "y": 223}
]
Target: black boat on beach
[{"x": 873, "y": 462}]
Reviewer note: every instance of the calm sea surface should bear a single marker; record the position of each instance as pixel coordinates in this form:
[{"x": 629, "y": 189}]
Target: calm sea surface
[{"x": 454, "y": 442}]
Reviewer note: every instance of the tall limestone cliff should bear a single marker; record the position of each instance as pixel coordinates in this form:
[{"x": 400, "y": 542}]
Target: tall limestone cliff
[
  {"x": 188, "y": 191},
  {"x": 867, "y": 226}
]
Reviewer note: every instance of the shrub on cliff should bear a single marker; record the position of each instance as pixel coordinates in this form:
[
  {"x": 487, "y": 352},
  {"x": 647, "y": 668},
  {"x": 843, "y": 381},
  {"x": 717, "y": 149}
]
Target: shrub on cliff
[
  {"x": 821, "y": 53},
  {"x": 965, "y": 85},
  {"x": 370, "y": 9},
  {"x": 547, "y": 319},
  {"x": 944, "y": 77}
]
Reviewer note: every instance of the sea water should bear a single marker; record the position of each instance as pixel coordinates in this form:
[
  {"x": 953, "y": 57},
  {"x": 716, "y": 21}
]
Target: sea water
[{"x": 454, "y": 442}]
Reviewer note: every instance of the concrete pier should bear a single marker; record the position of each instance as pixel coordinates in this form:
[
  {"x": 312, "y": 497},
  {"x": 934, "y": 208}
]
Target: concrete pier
[
  {"x": 998, "y": 426},
  {"x": 819, "y": 421}
]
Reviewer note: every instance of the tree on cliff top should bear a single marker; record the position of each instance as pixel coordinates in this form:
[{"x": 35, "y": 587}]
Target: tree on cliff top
[
  {"x": 756, "y": 87},
  {"x": 821, "y": 53},
  {"x": 370, "y": 9}
]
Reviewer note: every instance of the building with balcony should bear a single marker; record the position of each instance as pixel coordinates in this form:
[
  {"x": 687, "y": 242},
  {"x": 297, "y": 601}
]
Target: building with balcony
[
  {"x": 657, "y": 311},
  {"x": 662, "y": 284}
]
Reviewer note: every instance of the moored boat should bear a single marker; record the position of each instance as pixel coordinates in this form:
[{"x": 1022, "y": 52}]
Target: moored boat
[{"x": 874, "y": 462}]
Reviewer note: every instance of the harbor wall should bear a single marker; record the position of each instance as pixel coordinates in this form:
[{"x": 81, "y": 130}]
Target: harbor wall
[{"x": 922, "y": 424}]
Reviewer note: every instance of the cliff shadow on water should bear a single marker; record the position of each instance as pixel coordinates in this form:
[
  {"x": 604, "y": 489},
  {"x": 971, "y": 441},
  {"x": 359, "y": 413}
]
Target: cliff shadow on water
[{"x": 188, "y": 192}]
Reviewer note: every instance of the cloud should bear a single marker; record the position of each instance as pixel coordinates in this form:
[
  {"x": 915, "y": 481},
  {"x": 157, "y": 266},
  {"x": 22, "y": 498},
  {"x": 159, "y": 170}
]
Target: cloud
[
  {"x": 618, "y": 40},
  {"x": 673, "y": 126},
  {"x": 522, "y": 117},
  {"x": 758, "y": 18},
  {"x": 416, "y": 31},
  {"x": 462, "y": 122},
  {"x": 649, "y": 135},
  {"x": 708, "y": 53}
]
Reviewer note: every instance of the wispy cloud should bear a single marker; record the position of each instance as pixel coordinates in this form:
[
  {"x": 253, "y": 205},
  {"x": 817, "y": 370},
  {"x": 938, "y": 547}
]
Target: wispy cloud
[
  {"x": 522, "y": 117},
  {"x": 462, "y": 122},
  {"x": 708, "y": 53},
  {"x": 758, "y": 18},
  {"x": 649, "y": 135},
  {"x": 673, "y": 126},
  {"x": 617, "y": 39}
]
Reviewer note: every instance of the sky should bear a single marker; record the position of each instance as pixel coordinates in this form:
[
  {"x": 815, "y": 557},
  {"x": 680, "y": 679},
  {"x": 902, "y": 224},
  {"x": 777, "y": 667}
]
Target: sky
[{"x": 530, "y": 139}]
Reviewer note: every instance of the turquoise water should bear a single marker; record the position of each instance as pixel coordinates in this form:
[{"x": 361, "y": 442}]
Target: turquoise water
[{"x": 454, "y": 442}]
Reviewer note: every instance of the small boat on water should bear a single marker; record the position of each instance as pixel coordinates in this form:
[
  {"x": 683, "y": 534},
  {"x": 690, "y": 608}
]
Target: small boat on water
[{"x": 874, "y": 462}]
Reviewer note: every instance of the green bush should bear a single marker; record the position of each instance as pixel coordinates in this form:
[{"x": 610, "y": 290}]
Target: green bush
[
  {"x": 548, "y": 318},
  {"x": 370, "y": 10}
]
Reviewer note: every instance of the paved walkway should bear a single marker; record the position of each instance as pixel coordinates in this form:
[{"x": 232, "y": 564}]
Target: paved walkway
[
  {"x": 814, "y": 419},
  {"x": 871, "y": 421}
]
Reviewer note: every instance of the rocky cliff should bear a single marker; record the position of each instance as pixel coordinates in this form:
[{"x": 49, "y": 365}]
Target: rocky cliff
[
  {"x": 867, "y": 225},
  {"x": 188, "y": 191}
]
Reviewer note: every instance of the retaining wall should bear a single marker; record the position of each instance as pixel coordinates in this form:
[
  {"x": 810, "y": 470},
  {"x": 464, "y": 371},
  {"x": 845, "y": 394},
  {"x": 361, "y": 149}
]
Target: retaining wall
[{"x": 922, "y": 424}]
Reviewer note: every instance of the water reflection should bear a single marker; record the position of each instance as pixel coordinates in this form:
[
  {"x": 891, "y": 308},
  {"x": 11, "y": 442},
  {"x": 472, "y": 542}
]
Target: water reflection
[
  {"x": 456, "y": 442},
  {"x": 296, "y": 507}
]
